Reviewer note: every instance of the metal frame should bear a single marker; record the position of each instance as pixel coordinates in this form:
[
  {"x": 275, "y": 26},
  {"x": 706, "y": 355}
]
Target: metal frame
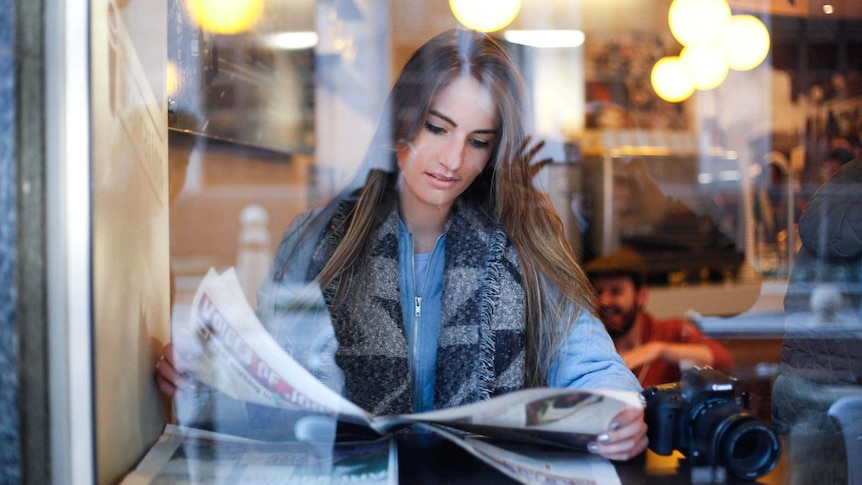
[{"x": 69, "y": 245}]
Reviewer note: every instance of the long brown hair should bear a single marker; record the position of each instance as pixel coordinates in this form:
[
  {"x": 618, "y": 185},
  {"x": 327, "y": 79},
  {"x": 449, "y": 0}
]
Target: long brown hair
[{"x": 556, "y": 287}]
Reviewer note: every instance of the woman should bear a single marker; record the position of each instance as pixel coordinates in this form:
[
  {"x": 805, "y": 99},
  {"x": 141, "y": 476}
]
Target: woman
[{"x": 446, "y": 275}]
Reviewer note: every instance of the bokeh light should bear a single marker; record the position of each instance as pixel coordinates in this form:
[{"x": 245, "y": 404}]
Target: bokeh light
[
  {"x": 671, "y": 80},
  {"x": 706, "y": 64},
  {"x": 172, "y": 81},
  {"x": 485, "y": 15},
  {"x": 746, "y": 42},
  {"x": 698, "y": 21},
  {"x": 225, "y": 16}
]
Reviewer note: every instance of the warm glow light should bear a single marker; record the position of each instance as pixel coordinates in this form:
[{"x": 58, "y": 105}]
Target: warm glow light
[
  {"x": 172, "y": 78},
  {"x": 225, "y": 16},
  {"x": 485, "y": 15},
  {"x": 291, "y": 40},
  {"x": 671, "y": 80},
  {"x": 706, "y": 64},
  {"x": 828, "y": 9},
  {"x": 698, "y": 21},
  {"x": 746, "y": 42},
  {"x": 545, "y": 38}
]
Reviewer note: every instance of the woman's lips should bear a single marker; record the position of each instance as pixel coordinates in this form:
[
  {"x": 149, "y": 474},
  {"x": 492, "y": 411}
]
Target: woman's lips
[{"x": 440, "y": 181}]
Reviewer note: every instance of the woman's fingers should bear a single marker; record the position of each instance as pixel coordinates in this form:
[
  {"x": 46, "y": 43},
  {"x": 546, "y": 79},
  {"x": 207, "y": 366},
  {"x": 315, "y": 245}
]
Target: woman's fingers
[
  {"x": 528, "y": 154},
  {"x": 625, "y": 450},
  {"x": 626, "y": 438},
  {"x": 168, "y": 379}
]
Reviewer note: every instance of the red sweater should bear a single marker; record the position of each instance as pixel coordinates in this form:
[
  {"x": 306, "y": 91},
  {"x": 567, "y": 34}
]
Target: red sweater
[{"x": 676, "y": 330}]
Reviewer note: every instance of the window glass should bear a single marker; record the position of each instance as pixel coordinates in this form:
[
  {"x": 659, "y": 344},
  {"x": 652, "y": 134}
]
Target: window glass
[{"x": 697, "y": 151}]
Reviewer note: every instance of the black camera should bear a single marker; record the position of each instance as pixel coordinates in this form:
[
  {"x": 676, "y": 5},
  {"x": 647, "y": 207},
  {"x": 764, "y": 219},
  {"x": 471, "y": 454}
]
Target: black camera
[{"x": 704, "y": 416}]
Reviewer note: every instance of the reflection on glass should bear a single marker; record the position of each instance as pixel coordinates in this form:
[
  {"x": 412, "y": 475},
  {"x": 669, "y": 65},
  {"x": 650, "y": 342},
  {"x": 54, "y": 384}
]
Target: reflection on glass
[
  {"x": 281, "y": 120},
  {"x": 439, "y": 277},
  {"x": 254, "y": 87}
]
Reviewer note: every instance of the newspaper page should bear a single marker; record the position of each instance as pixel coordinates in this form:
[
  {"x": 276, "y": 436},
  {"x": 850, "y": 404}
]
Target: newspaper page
[
  {"x": 191, "y": 456},
  {"x": 550, "y": 416},
  {"x": 233, "y": 353},
  {"x": 534, "y": 465},
  {"x": 236, "y": 355}
]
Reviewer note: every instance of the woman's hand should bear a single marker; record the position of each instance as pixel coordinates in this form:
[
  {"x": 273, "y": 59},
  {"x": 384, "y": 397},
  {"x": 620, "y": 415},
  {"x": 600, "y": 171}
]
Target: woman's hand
[
  {"x": 168, "y": 379},
  {"x": 626, "y": 438}
]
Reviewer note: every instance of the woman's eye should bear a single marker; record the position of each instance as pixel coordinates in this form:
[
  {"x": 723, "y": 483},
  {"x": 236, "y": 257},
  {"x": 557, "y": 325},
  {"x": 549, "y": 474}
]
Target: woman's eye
[
  {"x": 481, "y": 144},
  {"x": 434, "y": 128}
]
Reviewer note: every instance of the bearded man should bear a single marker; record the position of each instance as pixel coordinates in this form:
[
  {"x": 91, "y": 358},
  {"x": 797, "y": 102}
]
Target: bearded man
[{"x": 655, "y": 350}]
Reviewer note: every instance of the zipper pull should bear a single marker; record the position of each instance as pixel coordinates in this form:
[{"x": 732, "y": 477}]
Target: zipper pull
[{"x": 417, "y": 307}]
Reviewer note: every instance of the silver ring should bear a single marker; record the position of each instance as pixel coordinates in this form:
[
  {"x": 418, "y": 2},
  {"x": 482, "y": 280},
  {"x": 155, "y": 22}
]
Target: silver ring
[{"x": 159, "y": 362}]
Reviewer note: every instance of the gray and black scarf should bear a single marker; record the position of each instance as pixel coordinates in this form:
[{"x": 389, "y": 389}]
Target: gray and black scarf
[{"x": 480, "y": 351}]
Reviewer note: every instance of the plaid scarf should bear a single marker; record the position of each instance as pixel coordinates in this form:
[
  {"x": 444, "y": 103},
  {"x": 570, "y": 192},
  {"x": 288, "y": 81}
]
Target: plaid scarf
[{"x": 480, "y": 351}]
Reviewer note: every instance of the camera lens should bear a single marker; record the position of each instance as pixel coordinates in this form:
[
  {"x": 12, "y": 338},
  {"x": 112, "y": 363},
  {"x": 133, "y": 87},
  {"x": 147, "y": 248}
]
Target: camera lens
[{"x": 750, "y": 449}]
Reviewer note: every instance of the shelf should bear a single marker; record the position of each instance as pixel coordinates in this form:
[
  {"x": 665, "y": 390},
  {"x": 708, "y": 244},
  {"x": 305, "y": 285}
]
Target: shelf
[{"x": 707, "y": 299}]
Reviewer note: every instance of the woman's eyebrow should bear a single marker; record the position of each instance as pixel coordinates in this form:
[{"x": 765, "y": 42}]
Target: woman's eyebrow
[
  {"x": 443, "y": 117},
  {"x": 452, "y": 122}
]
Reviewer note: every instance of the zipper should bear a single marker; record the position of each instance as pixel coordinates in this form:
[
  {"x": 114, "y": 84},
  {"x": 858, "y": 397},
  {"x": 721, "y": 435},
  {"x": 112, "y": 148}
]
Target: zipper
[{"x": 417, "y": 314}]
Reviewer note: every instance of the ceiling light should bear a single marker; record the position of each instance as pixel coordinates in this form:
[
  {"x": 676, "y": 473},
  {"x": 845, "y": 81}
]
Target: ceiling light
[
  {"x": 671, "y": 80},
  {"x": 706, "y": 64},
  {"x": 698, "y": 21},
  {"x": 545, "y": 38},
  {"x": 485, "y": 15},
  {"x": 225, "y": 16},
  {"x": 291, "y": 40},
  {"x": 746, "y": 42}
]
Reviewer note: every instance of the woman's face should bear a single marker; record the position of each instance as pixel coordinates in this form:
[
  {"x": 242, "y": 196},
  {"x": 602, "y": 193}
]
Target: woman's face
[{"x": 451, "y": 149}]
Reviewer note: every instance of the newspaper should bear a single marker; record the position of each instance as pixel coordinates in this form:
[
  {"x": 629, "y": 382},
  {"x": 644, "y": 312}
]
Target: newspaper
[
  {"x": 237, "y": 356},
  {"x": 529, "y": 464},
  {"x": 198, "y": 457}
]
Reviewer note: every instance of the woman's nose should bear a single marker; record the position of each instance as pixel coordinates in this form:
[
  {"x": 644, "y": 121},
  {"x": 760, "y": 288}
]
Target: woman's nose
[{"x": 453, "y": 154}]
